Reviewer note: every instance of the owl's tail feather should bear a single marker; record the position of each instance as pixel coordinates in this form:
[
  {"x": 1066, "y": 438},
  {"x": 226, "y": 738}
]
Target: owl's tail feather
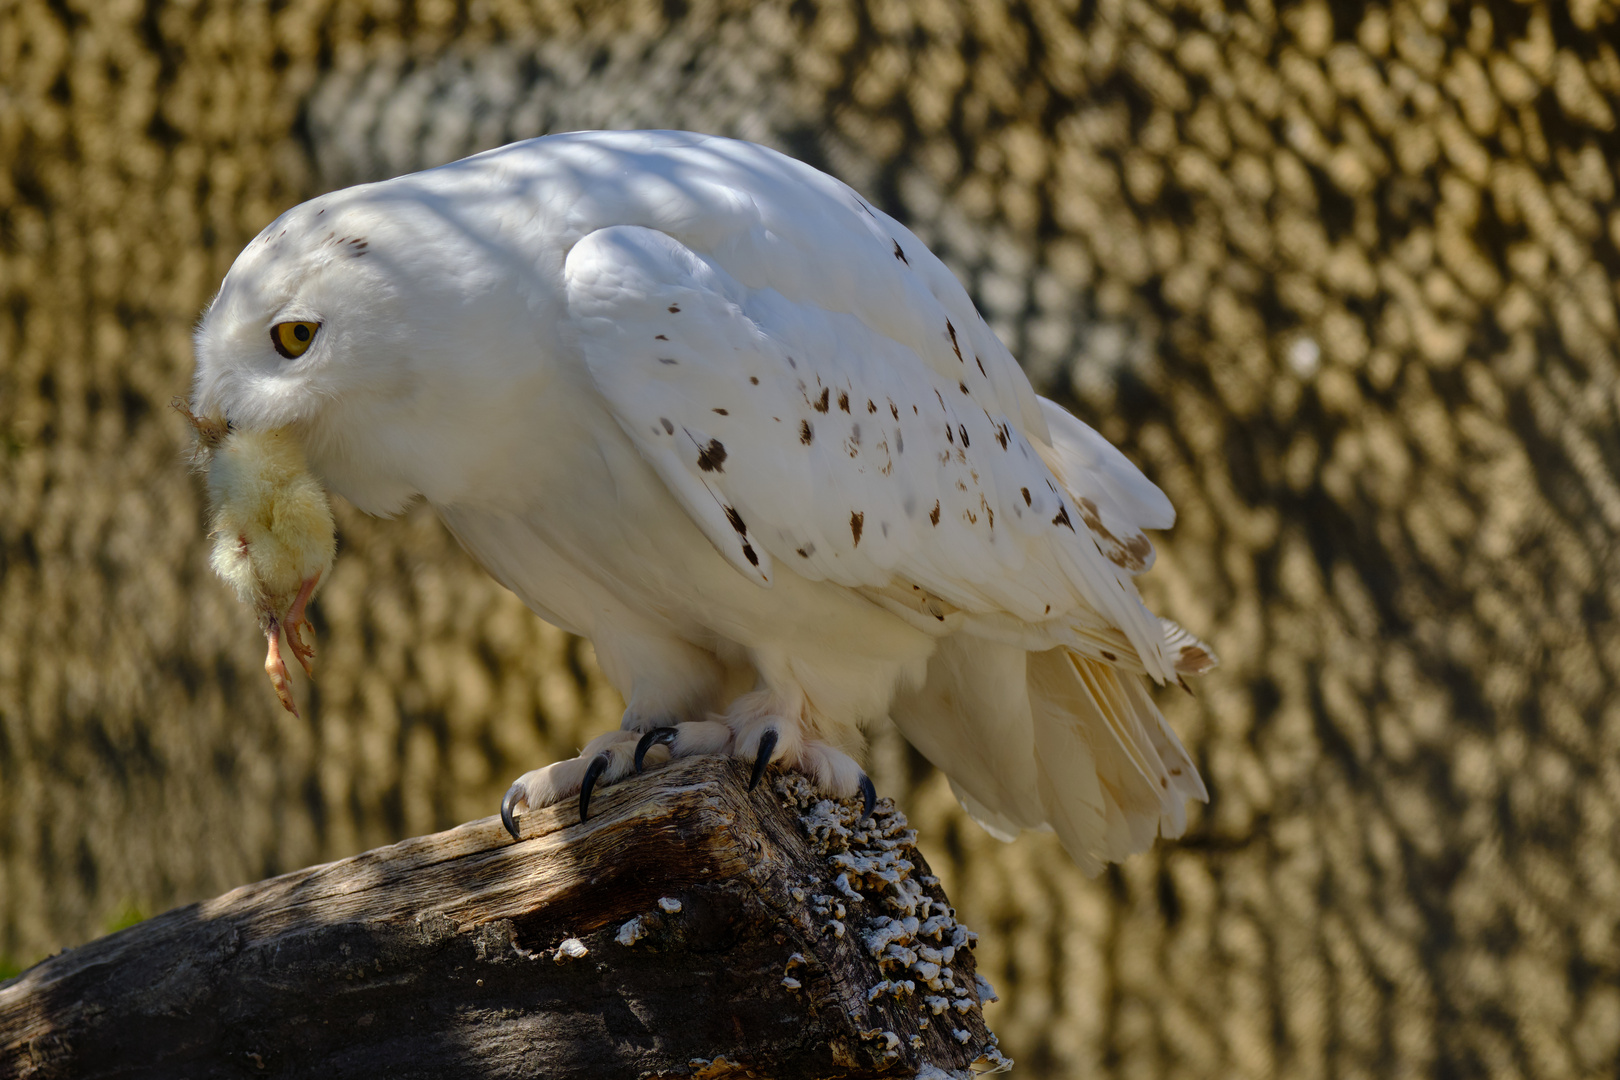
[
  {"x": 1053, "y": 741},
  {"x": 1110, "y": 772}
]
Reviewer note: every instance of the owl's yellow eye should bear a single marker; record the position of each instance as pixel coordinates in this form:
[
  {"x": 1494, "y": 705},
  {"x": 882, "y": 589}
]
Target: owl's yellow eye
[{"x": 291, "y": 339}]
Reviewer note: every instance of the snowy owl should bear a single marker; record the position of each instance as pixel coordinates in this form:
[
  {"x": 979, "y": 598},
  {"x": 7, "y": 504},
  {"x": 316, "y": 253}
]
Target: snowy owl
[{"x": 709, "y": 408}]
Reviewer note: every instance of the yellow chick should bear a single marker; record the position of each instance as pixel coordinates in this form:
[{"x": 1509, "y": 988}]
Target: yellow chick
[{"x": 273, "y": 534}]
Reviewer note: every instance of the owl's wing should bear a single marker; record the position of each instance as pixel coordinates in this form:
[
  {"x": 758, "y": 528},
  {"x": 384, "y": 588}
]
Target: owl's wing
[{"x": 799, "y": 436}]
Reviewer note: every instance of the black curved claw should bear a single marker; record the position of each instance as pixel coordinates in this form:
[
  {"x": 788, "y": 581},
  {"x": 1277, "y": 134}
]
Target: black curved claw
[
  {"x": 767, "y": 743},
  {"x": 508, "y": 803},
  {"x": 657, "y": 736},
  {"x": 868, "y": 798},
  {"x": 593, "y": 772}
]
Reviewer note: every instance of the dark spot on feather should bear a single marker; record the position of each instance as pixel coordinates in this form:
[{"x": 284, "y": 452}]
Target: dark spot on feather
[
  {"x": 914, "y": 411},
  {"x": 754, "y": 379},
  {"x": 1110, "y": 657},
  {"x": 748, "y": 553},
  {"x": 976, "y": 360},
  {"x": 855, "y": 434},
  {"x": 962, "y": 430},
  {"x": 1025, "y": 492},
  {"x": 722, "y": 412},
  {"x": 990, "y": 515},
  {"x": 843, "y": 401},
  {"x": 660, "y": 337},
  {"x": 1048, "y": 609},
  {"x": 1063, "y": 518},
  {"x": 806, "y": 433},
  {"x": 894, "y": 411},
  {"x": 666, "y": 360},
  {"x": 962, "y": 386},
  {"x": 899, "y": 442},
  {"x": 933, "y": 518},
  {"x": 1131, "y": 554},
  {"x": 792, "y": 363},
  {"x": 1001, "y": 437},
  {"x": 674, "y": 309},
  {"x": 803, "y": 554},
  {"x": 736, "y": 520},
  {"x": 857, "y": 521},
  {"x": 870, "y": 407},
  {"x": 821, "y": 406},
  {"x": 1164, "y": 781},
  {"x": 669, "y": 428},
  {"x": 712, "y": 457},
  {"x": 954, "y": 346},
  {"x": 950, "y": 436},
  {"x": 900, "y": 254},
  {"x": 1175, "y": 772}
]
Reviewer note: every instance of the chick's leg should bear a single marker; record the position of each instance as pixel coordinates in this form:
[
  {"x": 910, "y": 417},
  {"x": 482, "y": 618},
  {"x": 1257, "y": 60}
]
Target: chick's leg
[
  {"x": 276, "y": 668},
  {"x": 296, "y": 624}
]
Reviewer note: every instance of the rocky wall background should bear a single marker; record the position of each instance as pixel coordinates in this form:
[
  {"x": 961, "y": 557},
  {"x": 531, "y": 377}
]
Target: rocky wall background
[{"x": 1342, "y": 278}]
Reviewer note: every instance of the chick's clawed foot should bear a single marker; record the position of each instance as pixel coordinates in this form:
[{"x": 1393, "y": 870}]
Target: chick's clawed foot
[
  {"x": 276, "y": 667},
  {"x": 295, "y": 623}
]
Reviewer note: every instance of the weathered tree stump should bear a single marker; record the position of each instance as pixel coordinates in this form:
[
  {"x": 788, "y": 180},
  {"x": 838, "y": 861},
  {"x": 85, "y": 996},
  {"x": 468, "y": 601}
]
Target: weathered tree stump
[{"x": 690, "y": 928}]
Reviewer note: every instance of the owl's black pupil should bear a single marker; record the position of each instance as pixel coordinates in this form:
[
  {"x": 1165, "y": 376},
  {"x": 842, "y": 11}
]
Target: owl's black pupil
[{"x": 301, "y": 332}]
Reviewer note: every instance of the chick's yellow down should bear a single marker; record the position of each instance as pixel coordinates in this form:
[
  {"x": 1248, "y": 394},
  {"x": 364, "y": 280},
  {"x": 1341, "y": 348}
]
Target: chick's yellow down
[{"x": 273, "y": 534}]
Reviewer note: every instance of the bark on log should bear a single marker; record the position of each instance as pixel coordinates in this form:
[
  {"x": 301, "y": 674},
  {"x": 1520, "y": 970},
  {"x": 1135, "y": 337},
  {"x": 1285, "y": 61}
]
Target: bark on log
[{"x": 690, "y": 928}]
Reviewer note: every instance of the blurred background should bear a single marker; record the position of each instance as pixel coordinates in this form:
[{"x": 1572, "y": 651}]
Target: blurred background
[{"x": 1341, "y": 278}]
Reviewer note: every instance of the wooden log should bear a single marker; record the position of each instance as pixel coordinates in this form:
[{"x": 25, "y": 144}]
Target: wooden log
[{"x": 690, "y": 928}]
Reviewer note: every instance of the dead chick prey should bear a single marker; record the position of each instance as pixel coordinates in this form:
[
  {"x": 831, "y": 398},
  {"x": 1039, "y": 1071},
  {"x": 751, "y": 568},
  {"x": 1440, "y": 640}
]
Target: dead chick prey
[
  {"x": 711, "y": 409},
  {"x": 272, "y": 531}
]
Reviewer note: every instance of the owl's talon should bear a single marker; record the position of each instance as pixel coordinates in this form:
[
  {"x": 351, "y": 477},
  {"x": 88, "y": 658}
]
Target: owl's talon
[
  {"x": 508, "y": 807},
  {"x": 658, "y": 736},
  {"x": 767, "y": 743},
  {"x": 593, "y": 771},
  {"x": 868, "y": 798}
]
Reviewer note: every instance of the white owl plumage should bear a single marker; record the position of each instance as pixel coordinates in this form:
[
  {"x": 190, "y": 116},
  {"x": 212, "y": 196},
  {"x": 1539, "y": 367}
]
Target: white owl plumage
[{"x": 707, "y": 407}]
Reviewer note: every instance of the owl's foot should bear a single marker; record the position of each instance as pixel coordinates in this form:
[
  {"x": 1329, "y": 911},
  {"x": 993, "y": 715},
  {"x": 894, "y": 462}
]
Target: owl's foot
[
  {"x": 606, "y": 759},
  {"x": 757, "y": 732}
]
